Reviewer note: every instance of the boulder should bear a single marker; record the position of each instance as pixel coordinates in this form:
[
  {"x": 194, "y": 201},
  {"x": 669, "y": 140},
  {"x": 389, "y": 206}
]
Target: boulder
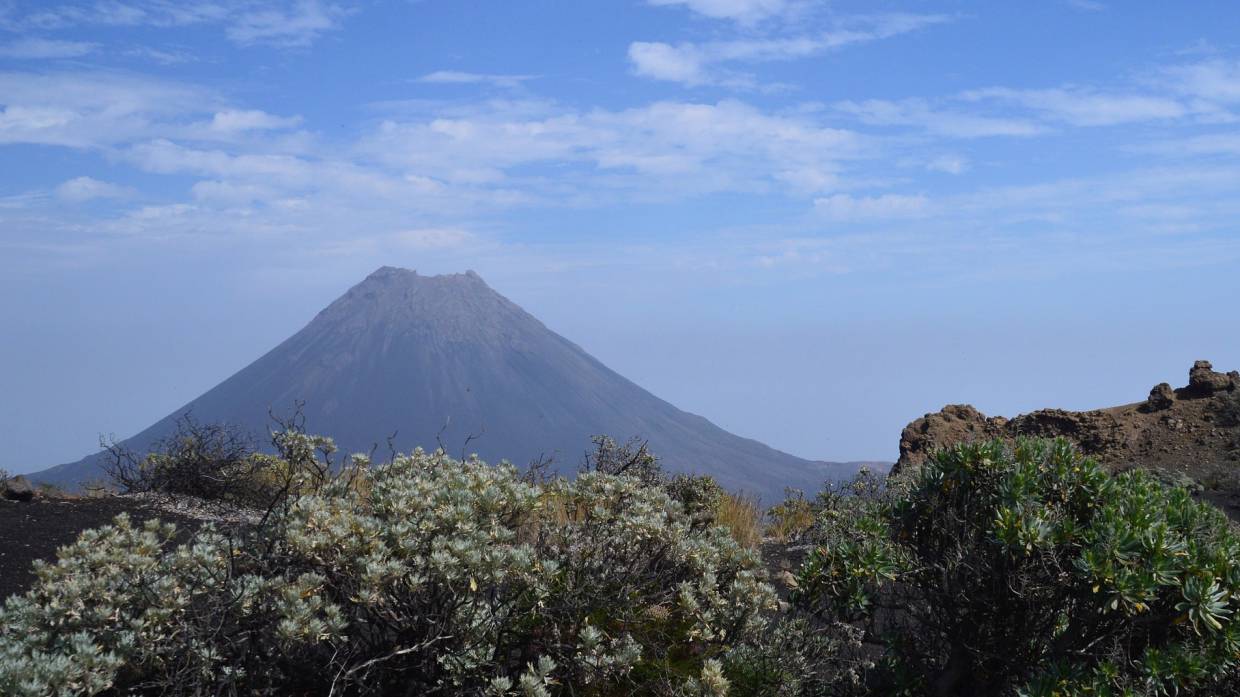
[
  {"x": 1203, "y": 381},
  {"x": 1161, "y": 397},
  {"x": 18, "y": 489},
  {"x": 955, "y": 423}
]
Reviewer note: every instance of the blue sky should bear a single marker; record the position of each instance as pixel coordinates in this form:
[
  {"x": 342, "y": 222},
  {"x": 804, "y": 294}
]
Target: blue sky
[{"x": 808, "y": 221}]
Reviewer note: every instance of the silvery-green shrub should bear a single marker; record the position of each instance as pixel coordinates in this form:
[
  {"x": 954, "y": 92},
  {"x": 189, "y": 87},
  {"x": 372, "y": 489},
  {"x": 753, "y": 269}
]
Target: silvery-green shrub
[{"x": 424, "y": 575}]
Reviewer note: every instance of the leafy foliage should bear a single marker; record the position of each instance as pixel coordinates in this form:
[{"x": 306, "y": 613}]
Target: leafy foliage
[
  {"x": 1019, "y": 570},
  {"x": 1030, "y": 570},
  {"x": 424, "y": 575}
]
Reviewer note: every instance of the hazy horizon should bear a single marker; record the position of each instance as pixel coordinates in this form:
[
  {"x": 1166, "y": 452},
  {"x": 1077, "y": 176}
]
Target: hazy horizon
[{"x": 808, "y": 222}]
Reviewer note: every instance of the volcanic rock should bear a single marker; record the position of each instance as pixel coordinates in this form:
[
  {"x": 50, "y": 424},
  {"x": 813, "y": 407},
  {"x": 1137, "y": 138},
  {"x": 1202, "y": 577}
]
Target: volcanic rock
[
  {"x": 1186, "y": 435},
  {"x": 18, "y": 489},
  {"x": 1161, "y": 397}
]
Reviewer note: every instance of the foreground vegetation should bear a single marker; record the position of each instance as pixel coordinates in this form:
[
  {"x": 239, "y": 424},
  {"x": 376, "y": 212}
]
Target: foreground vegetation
[{"x": 996, "y": 569}]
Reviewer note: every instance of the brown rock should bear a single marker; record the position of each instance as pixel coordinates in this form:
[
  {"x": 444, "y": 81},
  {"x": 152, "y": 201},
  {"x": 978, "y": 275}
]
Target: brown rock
[
  {"x": 955, "y": 423},
  {"x": 1161, "y": 397},
  {"x": 1204, "y": 381},
  {"x": 1187, "y": 431}
]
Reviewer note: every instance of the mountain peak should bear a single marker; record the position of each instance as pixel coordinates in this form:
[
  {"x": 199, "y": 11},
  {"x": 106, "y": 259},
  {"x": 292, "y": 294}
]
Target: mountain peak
[
  {"x": 396, "y": 274},
  {"x": 447, "y": 360},
  {"x": 455, "y": 307}
]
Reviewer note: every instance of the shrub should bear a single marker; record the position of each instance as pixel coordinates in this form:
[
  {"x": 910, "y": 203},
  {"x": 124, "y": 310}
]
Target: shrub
[
  {"x": 632, "y": 458},
  {"x": 790, "y": 519},
  {"x": 217, "y": 463},
  {"x": 424, "y": 575},
  {"x": 1029, "y": 569}
]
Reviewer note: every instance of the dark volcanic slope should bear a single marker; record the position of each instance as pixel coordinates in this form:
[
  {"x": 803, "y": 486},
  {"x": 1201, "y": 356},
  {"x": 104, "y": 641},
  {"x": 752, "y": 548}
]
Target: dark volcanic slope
[{"x": 439, "y": 358}]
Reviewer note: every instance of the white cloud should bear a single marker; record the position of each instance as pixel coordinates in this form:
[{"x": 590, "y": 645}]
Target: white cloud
[
  {"x": 1082, "y": 107},
  {"x": 231, "y": 193},
  {"x": 669, "y": 148},
  {"x": 236, "y": 121},
  {"x": 743, "y": 11},
  {"x": 1001, "y": 111},
  {"x": 950, "y": 164},
  {"x": 94, "y": 109},
  {"x": 702, "y": 63},
  {"x": 945, "y": 122},
  {"x": 1214, "y": 80},
  {"x": 454, "y": 77},
  {"x": 298, "y": 24},
  {"x": 82, "y": 189},
  {"x": 36, "y": 49},
  {"x": 1087, "y": 5},
  {"x": 660, "y": 61},
  {"x": 845, "y": 208},
  {"x": 284, "y": 23},
  {"x": 1196, "y": 146}
]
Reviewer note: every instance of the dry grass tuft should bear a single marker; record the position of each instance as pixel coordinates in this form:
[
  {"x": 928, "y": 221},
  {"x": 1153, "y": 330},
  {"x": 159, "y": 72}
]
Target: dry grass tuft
[
  {"x": 742, "y": 516},
  {"x": 790, "y": 519}
]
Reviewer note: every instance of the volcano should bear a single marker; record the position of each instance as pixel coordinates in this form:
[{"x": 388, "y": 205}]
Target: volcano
[{"x": 447, "y": 360}]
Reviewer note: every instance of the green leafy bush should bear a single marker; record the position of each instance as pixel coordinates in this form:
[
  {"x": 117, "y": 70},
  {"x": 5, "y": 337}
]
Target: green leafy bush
[
  {"x": 1030, "y": 570},
  {"x": 424, "y": 575}
]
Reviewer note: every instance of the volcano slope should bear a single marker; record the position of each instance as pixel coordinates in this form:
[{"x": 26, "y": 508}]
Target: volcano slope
[
  {"x": 441, "y": 359},
  {"x": 1188, "y": 436}
]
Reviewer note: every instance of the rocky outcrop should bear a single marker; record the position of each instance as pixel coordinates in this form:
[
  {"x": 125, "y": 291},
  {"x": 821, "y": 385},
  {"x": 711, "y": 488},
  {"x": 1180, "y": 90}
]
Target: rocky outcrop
[
  {"x": 1161, "y": 397},
  {"x": 953, "y": 424},
  {"x": 1203, "y": 381},
  {"x": 17, "y": 489},
  {"x": 1189, "y": 434}
]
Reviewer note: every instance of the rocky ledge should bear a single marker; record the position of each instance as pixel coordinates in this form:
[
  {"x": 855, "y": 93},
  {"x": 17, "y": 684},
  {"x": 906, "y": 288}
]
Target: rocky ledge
[{"x": 1190, "y": 435}]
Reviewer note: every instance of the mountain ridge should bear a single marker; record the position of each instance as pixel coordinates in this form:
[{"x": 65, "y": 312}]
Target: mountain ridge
[{"x": 1188, "y": 435}]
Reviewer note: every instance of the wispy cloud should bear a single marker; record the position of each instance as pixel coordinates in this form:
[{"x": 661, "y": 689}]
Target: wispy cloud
[
  {"x": 240, "y": 120},
  {"x": 94, "y": 108},
  {"x": 82, "y": 189},
  {"x": 938, "y": 120},
  {"x": 44, "y": 49},
  {"x": 743, "y": 11},
  {"x": 846, "y": 208},
  {"x": 1085, "y": 107},
  {"x": 282, "y": 23},
  {"x": 454, "y": 77},
  {"x": 1195, "y": 93},
  {"x": 706, "y": 63},
  {"x": 665, "y": 148},
  {"x": 295, "y": 25},
  {"x": 1215, "y": 80}
]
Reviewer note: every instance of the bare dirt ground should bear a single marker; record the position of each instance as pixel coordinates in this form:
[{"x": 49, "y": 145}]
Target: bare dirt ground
[{"x": 36, "y": 529}]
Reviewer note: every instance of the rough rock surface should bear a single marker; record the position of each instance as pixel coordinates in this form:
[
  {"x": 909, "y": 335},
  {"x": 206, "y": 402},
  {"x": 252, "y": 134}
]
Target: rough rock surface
[
  {"x": 1187, "y": 434},
  {"x": 17, "y": 489}
]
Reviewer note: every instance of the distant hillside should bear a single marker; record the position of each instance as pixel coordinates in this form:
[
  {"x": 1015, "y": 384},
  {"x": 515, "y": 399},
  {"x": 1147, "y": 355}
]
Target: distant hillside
[
  {"x": 440, "y": 358},
  {"x": 1190, "y": 433}
]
